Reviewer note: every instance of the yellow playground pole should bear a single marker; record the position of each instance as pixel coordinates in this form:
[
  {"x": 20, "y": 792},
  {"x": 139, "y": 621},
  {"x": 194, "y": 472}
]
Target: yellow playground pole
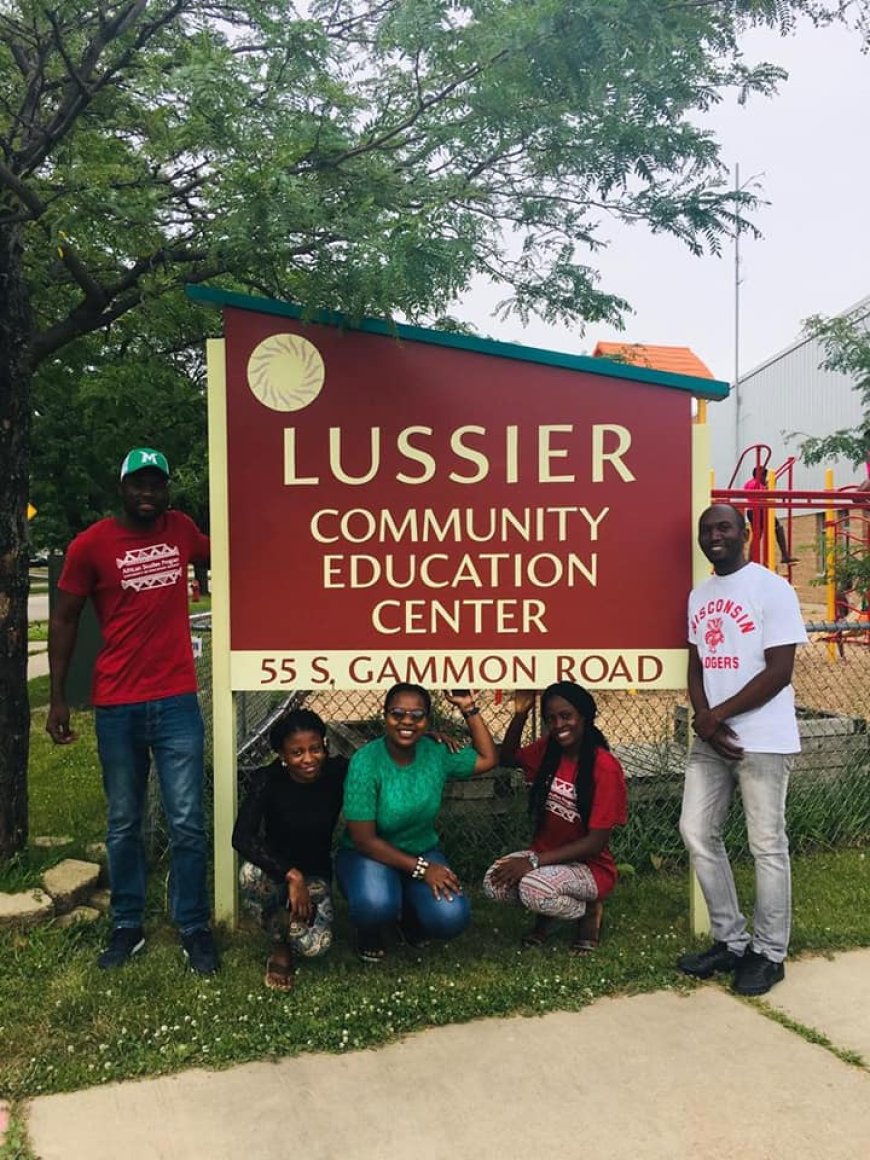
[
  {"x": 770, "y": 525},
  {"x": 830, "y": 587}
]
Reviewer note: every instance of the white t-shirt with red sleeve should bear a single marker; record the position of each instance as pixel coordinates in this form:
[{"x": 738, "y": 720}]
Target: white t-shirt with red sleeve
[
  {"x": 138, "y": 584},
  {"x": 562, "y": 823},
  {"x": 732, "y": 620}
]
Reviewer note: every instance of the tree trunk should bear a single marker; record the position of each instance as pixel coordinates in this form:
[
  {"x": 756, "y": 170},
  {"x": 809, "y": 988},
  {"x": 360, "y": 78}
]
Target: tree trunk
[{"x": 15, "y": 321}]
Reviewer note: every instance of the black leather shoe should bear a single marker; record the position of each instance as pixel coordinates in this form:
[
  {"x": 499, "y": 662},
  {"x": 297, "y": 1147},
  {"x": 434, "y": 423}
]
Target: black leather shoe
[
  {"x": 756, "y": 974},
  {"x": 712, "y": 961}
]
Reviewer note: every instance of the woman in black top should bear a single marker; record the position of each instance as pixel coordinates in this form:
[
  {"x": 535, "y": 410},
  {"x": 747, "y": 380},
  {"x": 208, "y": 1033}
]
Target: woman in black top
[{"x": 284, "y": 834}]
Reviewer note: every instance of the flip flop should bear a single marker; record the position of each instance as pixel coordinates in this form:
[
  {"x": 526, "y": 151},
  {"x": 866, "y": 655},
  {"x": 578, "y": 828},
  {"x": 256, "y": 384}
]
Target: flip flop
[
  {"x": 411, "y": 935},
  {"x": 370, "y": 946},
  {"x": 588, "y": 930},
  {"x": 279, "y": 974},
  {"x": 541, "y": 933}
]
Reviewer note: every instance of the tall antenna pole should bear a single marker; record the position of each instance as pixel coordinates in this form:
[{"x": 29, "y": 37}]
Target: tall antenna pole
[{"x": 737, "y": 314}]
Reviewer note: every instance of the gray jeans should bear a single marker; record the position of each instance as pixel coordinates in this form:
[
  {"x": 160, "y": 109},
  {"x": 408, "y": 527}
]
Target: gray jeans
[{"x": 710, "y": 784}]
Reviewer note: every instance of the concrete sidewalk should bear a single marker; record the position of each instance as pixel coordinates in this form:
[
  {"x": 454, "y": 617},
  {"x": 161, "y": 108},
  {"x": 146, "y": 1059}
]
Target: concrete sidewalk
[
  {"x": 37, "y": 606},
  {"x": 37, "y": 660},
  {"x": 654, "y": 1077}
]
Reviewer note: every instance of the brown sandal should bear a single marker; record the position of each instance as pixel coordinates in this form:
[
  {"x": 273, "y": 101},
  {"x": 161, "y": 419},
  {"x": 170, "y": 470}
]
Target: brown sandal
[
  {"x": 279, "y": 974},
  {"x": 411, "y": 933},
  {"x": 540, "y": 933},
  {"x": 588, "y": 932}
]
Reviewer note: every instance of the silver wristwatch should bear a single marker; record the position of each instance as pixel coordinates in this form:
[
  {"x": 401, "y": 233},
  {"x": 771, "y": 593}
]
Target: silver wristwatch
[{"x": 534, "y": 860}]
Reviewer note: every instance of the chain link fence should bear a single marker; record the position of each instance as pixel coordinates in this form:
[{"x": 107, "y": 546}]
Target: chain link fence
[{"x": 829, "y": 796}]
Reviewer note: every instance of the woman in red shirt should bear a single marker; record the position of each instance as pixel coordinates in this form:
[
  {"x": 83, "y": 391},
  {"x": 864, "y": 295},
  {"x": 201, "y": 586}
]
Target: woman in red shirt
[{"x": 576, "y": 796}]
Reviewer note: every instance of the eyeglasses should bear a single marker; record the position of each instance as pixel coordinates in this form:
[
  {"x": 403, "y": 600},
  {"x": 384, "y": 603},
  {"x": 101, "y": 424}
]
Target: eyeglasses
[{"x": 400, "y": 714}]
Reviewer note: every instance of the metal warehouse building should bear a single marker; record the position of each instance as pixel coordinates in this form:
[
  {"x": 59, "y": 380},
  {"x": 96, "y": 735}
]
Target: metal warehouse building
[{"x": 779, "y": 403}]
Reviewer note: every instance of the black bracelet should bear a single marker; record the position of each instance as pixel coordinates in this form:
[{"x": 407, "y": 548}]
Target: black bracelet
[{"x": 472, "y": 712}]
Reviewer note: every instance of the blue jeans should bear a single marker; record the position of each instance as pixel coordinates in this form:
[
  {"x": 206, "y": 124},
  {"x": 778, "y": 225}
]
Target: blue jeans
[
  {"x": 127, "y": 736},
  {"x": 710, "y": 784},
  {"x": 378, "y": 895}
]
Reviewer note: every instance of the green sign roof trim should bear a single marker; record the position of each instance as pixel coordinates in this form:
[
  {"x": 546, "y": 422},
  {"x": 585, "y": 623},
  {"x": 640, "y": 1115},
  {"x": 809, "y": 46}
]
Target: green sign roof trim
[{"x": 700, "y": 388}]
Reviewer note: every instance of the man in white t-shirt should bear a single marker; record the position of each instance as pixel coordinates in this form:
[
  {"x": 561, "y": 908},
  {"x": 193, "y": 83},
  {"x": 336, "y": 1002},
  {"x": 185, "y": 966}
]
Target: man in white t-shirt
[{"x": 744, "y": 626}]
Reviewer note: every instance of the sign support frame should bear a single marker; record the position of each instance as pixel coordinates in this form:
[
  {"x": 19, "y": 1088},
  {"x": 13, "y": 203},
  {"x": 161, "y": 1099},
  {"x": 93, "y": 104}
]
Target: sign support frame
[
  {"x": 699, "y": 917},
  {"x": 224, "y": 757}
]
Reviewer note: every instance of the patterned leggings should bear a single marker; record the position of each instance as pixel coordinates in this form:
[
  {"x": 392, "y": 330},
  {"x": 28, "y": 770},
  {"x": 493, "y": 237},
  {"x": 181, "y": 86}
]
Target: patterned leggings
[
  {"x": 557, "y": 891},
  {"x": 265, "y": 899}
]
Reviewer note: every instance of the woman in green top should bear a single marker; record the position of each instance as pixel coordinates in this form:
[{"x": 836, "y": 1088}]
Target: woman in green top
[{"x": 389, "y": 866}]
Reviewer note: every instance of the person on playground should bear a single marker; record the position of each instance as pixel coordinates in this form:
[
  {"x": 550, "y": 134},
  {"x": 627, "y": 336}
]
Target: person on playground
[
  {"x": 744, "y": 626},
  {"x": 758, "y": 482},
  {"x": 577, "y": 795},
  {"x": 390, "y": 867},
  {"x": 134, "y": 568},
  {"x": 284, "y": 834}
]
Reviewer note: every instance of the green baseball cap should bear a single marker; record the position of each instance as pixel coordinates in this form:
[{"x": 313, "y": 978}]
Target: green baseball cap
[{"x": 141, "y": 457}]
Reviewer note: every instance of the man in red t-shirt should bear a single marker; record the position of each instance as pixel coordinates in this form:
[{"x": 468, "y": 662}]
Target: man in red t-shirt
[{"x": 134, "y": 569}]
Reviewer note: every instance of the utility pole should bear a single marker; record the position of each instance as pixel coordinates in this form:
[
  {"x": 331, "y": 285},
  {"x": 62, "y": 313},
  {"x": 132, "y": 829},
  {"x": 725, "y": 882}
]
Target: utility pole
[
  {"x": 736, "y": 387},
  {"x": 751, "y": 182}
]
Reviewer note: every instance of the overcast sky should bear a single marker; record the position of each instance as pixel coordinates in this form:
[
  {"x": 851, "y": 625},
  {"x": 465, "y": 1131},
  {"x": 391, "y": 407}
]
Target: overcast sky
[{"x": 811, "y": 145}]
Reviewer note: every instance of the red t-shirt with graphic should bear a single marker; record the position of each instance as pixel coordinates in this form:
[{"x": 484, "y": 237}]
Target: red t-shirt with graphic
[
  {"x": 561, "y": 822},
  {"x": 138, "y": 584}
]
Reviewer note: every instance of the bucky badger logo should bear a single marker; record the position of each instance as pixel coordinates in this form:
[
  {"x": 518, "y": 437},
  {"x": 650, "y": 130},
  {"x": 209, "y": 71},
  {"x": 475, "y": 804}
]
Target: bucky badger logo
[{"x": 714, "y": 636}]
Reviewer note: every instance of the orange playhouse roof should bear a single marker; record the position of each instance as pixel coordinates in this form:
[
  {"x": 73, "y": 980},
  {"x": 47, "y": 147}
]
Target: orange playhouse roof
[{"x": 679, "y": 360}]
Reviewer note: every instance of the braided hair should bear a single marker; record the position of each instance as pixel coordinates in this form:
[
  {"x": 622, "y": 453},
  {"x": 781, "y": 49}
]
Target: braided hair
[{"x": 592, "y": 739}]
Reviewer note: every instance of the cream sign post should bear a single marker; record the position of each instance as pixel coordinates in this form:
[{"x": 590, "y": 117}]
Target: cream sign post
[{"x": 399, "y": 504}]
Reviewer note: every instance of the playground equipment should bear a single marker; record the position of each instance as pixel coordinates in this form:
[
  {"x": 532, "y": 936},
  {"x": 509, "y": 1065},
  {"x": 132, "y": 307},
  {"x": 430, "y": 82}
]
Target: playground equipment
[
  {"x": 755, "y": 460},
  {"x": 846, "y": 530},
  {"x": 850, "y": 579}
]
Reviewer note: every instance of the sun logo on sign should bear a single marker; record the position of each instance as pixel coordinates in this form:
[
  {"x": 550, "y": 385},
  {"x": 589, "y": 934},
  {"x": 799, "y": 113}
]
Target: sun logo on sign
[{"x": 286, "y": 372}]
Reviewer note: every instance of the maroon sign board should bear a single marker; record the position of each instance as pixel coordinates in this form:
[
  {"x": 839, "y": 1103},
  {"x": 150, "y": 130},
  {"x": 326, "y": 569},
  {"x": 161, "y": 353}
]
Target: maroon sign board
[{"x": 410, "y": 505}]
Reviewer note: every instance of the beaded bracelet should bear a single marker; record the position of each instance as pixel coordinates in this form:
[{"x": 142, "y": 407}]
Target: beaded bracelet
[
  {"x": 420, "y": 869},
  {"x": 472, "y": 712}
]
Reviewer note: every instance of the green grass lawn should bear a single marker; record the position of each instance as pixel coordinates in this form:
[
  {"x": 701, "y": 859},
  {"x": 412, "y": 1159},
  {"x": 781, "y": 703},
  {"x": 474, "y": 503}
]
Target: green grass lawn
[
  {"x": 37, "y": 630},
  {"x": 66, "y": 1025},
  {"x": 39, "y": 690}
]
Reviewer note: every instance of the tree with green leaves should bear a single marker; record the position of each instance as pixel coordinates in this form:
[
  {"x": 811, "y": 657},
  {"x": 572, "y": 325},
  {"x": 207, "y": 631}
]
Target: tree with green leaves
[
  {"x": 845, "y": 339},
  {"x": 128, "y": 387},
  {"x": 367, "y": 156}
]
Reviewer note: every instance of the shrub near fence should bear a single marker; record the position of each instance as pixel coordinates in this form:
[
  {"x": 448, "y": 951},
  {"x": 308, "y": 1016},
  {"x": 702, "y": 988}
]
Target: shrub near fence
[{"x": 829, "y": 797}]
